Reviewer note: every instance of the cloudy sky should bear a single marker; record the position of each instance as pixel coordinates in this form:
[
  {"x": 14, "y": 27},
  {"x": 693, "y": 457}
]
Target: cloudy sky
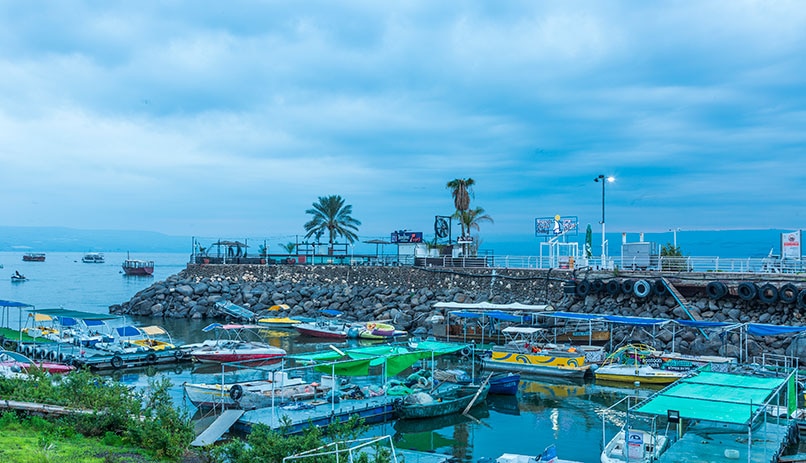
[{"x": 231, "y": 118}]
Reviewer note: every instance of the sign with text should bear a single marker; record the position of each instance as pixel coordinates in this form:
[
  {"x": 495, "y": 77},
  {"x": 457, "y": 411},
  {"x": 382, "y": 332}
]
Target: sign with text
[
  {"x": 791, "y": 245},
  {"x": 635, "y": 445},
  {"x": 402, "y": 237},
  {"x": 553, "y": 226}
]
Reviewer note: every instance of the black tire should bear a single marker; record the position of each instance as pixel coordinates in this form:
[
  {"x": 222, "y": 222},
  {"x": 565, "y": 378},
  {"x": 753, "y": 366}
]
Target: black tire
[
  {"x": 179, "y": 354},
  {"x": 151, "y": 357},
  {"x": 236, "y": 392},
  {"x": 597, "y": 286},
  {"x": 8, "y": 344},
  {"x": 642, "y": 288},
  {"x": 768, "y": 293},
  {"x": 465, "y": 352},
  {"x": 716, "y": 290},
  {"x": 788, "y": 293},
  {"x": 583, "y": 288},
  {"x": 747, "y": 291},
  {"x": 802, "y": 299},
  {"x": 660, "y": 288},
  {"x": 116, "y": 362},
  {"x": 613, "y": 287},
  {"x": 627, "y": 286}
]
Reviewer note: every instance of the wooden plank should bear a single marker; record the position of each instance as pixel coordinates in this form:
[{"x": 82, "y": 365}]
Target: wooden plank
[{"x": 217, "y": 428}]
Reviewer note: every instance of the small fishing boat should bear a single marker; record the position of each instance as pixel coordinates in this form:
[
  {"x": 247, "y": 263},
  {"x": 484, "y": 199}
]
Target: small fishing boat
[
  {"x": 93, "y": 258},
  {"x": 549, "y": 455},
  {"x": 231, "y": 345},
  {"x": 19, "y": 363},
  {"x": 639, "y": 447},
  {"x": 522, "y": 353},
  {"x": 445, "y": 399},
  {"x": 138, "y": 267},
  {"x": 642, "y": 363},
  {"x": 504, "y": 383},
  {"x": 644, "y": 374},
  {"x": 279, "y": 389},
  {"x": 33, "y": 257}
]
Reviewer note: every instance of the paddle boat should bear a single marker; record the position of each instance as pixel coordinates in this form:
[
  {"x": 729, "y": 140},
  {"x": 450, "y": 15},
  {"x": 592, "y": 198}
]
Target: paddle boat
[
  {"x": 231, "y": 345},
  {"x": 524, "y": 353}
]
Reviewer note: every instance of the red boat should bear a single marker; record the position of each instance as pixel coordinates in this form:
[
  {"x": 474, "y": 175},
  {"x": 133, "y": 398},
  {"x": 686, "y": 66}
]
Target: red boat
[
  {"x": 138, "y": 267},
  {"x": 16, "y": 361},
  {"x": 233, "y": 348},
  {"x": 34, "y": 257}
]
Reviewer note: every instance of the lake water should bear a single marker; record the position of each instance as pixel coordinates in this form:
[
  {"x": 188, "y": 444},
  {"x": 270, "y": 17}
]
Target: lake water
[{"x": 568, "y": 415}]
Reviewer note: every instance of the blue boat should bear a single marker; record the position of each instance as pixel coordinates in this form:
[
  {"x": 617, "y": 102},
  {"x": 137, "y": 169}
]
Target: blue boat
[{"x": 504, "y": 383}]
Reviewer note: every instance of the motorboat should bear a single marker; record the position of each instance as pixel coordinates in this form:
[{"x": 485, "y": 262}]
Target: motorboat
[
  {"x": 93, "y": 258},
  {"x": 17, "y": 362},
  {"x": 231, "y": 345},
  {"x": 644, "y": 374},
  {"x": 33, "y": 257},
  {"x": 138, "y": 267},
  {"x": 549, "y": 455},
  {"x": 17, "y": 277},
  {"x": 524, "y": 353},
  {"x": 639, "y": 447},
  {"x": 640, "y": 362},
  {"x": 130, "y": 339},
  {"x": 323, "y": 329},
  {"x": 279, "y": 389}
]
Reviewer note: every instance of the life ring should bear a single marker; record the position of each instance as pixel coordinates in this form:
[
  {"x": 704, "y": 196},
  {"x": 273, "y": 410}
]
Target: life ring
[
  {"x": 642, "y": 288},
  {"x": 236, "y": 392},
  {"x": 716, "y": 290},
  {"x": 802, "y": 299},
  {"x": 116, "y": 362},
  {"x": 660, "y": 288},
  {"x": 613, "y": 287},
  {"x": 627, "y": 286},
  {"x": 583, "y": 288},
  {"x": 768, "y": 293},
  {"x": 597, "y": 286},
  {"x": 151, "y": 357},
  {"x": 788, "y": 293},
  {"x": 747, "y": 291}
]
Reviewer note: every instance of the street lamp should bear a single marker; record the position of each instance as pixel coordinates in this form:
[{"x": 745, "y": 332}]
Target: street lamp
[
  {"x": 674, "y": 236},
  {"x": 602, "y": 179}
]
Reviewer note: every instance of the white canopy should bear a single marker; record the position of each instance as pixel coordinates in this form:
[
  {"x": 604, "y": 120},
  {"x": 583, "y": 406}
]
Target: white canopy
[{"x": 490, "y": 306}]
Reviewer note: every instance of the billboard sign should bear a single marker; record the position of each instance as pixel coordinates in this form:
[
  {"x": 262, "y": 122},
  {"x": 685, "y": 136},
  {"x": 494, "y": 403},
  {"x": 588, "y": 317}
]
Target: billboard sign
[
  {"x": 791, "y": 245},
  {"x": 557, "y": 225},
  {"x": 403, "y": 237}
]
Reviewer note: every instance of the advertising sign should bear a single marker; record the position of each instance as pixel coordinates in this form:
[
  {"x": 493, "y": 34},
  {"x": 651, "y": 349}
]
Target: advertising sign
[
  {"x": 552, "y": 226},
  {"x": 635, "y": 446},
  {"x": 403, "y": 236},
  {"x": 790, "y": 245}
]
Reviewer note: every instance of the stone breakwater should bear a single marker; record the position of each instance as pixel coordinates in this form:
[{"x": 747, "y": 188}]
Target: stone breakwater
[{"x": 405, "y": 296}]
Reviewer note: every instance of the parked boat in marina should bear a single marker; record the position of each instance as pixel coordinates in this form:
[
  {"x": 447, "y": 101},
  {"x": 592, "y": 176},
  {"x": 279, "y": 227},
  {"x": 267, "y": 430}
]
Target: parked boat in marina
[
  {"x": 504, "y": 383},
  {"x": 639, "y": 447},
  {"x": 328, "y": 329},
  {"x": 20, "y": 363},
  {"x": 231, "y": 345},
  {"x": 93, "y": 258},
  {"x": 549, "y": 455},
  {"x": 640, "y": 362},
  {"x": 445, "y": 399},
  {"x": 522, "y": 354},
  {"x": 279, "y": 389}
]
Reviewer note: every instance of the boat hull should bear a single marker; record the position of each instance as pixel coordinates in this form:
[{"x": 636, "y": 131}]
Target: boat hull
[
  {"x": 317, "y": 331},
  {"x": 464, "y": 396},
  {"x": 223, "y": 357},
  {"x": 631, "y": 374},
  {"x": 549, "y": 364},
  {"x": 505, "y": 384}
]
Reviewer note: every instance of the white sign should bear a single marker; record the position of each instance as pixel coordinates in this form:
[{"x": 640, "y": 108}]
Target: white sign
[
  {"x": 635, "y": 445},
  {"x": 790, "y": 245}
]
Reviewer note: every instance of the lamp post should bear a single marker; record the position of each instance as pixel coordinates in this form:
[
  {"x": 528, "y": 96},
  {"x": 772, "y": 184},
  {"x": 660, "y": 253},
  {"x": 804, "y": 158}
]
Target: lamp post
[
  {"x": 602, "y": 179},
  {"x": 674, "y": 236}
]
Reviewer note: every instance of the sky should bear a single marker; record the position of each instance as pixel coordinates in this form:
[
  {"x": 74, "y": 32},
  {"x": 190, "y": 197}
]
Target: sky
[{"x": 231, "y": 118}]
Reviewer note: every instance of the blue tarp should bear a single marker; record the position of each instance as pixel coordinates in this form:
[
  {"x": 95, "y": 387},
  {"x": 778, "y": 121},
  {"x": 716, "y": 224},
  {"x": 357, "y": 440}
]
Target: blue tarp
[
  {"x": 704, "y": 324},
  {"x": 127, "y": 331},
  {"x": 636, "y": 320},
  {"x": 466, "y": 314},
  {"x": 574, "y": 316},
  {"x": 91, "y": 322},
  {"x": 759, "y": 329},
  {"x": 13, "y": 304},
  {"x": 331, "y": 312},
  {"x": 498, "y": 315},
  {"x": 67, "y": 321}
]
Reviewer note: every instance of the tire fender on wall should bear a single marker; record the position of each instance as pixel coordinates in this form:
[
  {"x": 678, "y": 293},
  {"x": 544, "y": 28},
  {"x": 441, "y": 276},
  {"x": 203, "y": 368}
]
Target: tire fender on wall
[
  {"x": 627, "y": 286},
  {"x": 788, "y": 293},
  {"x": 768, "y": 293},
  {"x": 583, "y": 288},
  {"x": 716, "y": 290},
  {"x": 747, "y": 291},
  {"x": 642, "y": 288},
  {"x": 613, "y": 287}
]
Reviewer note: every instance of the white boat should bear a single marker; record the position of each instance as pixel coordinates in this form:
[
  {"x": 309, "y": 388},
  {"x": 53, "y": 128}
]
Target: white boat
[
  {"x": 549, "y": 455},
  {"x": 93, "y": 258},
  {"x": 644, "y": 374},
  {"x": 640, "y": 447},
  {"x": 248, "y": 395},
  {"x": 231, "y": 345}
]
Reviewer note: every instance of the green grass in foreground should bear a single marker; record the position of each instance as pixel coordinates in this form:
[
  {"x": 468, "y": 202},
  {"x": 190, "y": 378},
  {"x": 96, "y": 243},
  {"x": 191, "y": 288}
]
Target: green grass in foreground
[{"x": 36, "y": 441}]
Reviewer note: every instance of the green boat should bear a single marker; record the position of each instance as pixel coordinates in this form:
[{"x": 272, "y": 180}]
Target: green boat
[{"x": 445, "y": 399}]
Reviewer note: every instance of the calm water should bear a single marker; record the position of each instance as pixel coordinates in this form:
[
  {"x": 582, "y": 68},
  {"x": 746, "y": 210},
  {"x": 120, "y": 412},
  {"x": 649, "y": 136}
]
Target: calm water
[{"x": 569, "y": 415}]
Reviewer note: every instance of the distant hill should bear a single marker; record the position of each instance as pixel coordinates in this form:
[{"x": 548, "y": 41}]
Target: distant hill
[{"x": 59, "y": 239}]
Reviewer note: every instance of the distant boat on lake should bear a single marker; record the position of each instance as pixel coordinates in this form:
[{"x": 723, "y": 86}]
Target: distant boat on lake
[
  {"x": 33, "y": 257},
  {"x": 93, "y": 258},
  {"x": 138, "y": 267}
]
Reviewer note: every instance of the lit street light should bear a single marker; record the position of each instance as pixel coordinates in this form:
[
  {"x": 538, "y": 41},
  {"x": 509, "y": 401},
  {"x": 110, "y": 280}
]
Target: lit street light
[{"x": 602, "y": 179}]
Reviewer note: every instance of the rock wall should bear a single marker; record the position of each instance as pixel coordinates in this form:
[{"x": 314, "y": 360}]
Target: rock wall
[{"x": 405, "y": 295}]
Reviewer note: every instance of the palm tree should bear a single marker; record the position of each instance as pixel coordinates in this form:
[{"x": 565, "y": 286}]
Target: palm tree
[
  {"x": 472, "y": 219},
  {"x": 289, "y": 247},
  {"x": 331, "y": 215},
  {"x": 461, "y": 190}
]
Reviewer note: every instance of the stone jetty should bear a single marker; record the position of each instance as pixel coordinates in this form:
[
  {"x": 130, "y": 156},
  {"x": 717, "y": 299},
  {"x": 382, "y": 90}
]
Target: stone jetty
[{"x": 406, "y": 295}]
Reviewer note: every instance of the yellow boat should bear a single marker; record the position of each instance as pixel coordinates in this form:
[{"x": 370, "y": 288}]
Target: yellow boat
[
  {"x": 278, "y": 322},
  {"x": 522, "y": 354},
  {"x": 632, "y": 363}
]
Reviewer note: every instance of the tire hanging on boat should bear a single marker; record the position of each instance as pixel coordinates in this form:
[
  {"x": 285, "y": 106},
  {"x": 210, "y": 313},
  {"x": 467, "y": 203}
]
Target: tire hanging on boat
[
  {"x": 716, "y": 290},
  {"x": 642, "y": 288},
  {"x": 802, "y": 299},
  {"x": 613, "y": 287},
  {"x": 236, "y": 392},
  {"x": 747, "y": 291},
  {"x": 788, "y": 293},
  {"x": 151, "y": 357},
  {"x": 116, "y": 362}
]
